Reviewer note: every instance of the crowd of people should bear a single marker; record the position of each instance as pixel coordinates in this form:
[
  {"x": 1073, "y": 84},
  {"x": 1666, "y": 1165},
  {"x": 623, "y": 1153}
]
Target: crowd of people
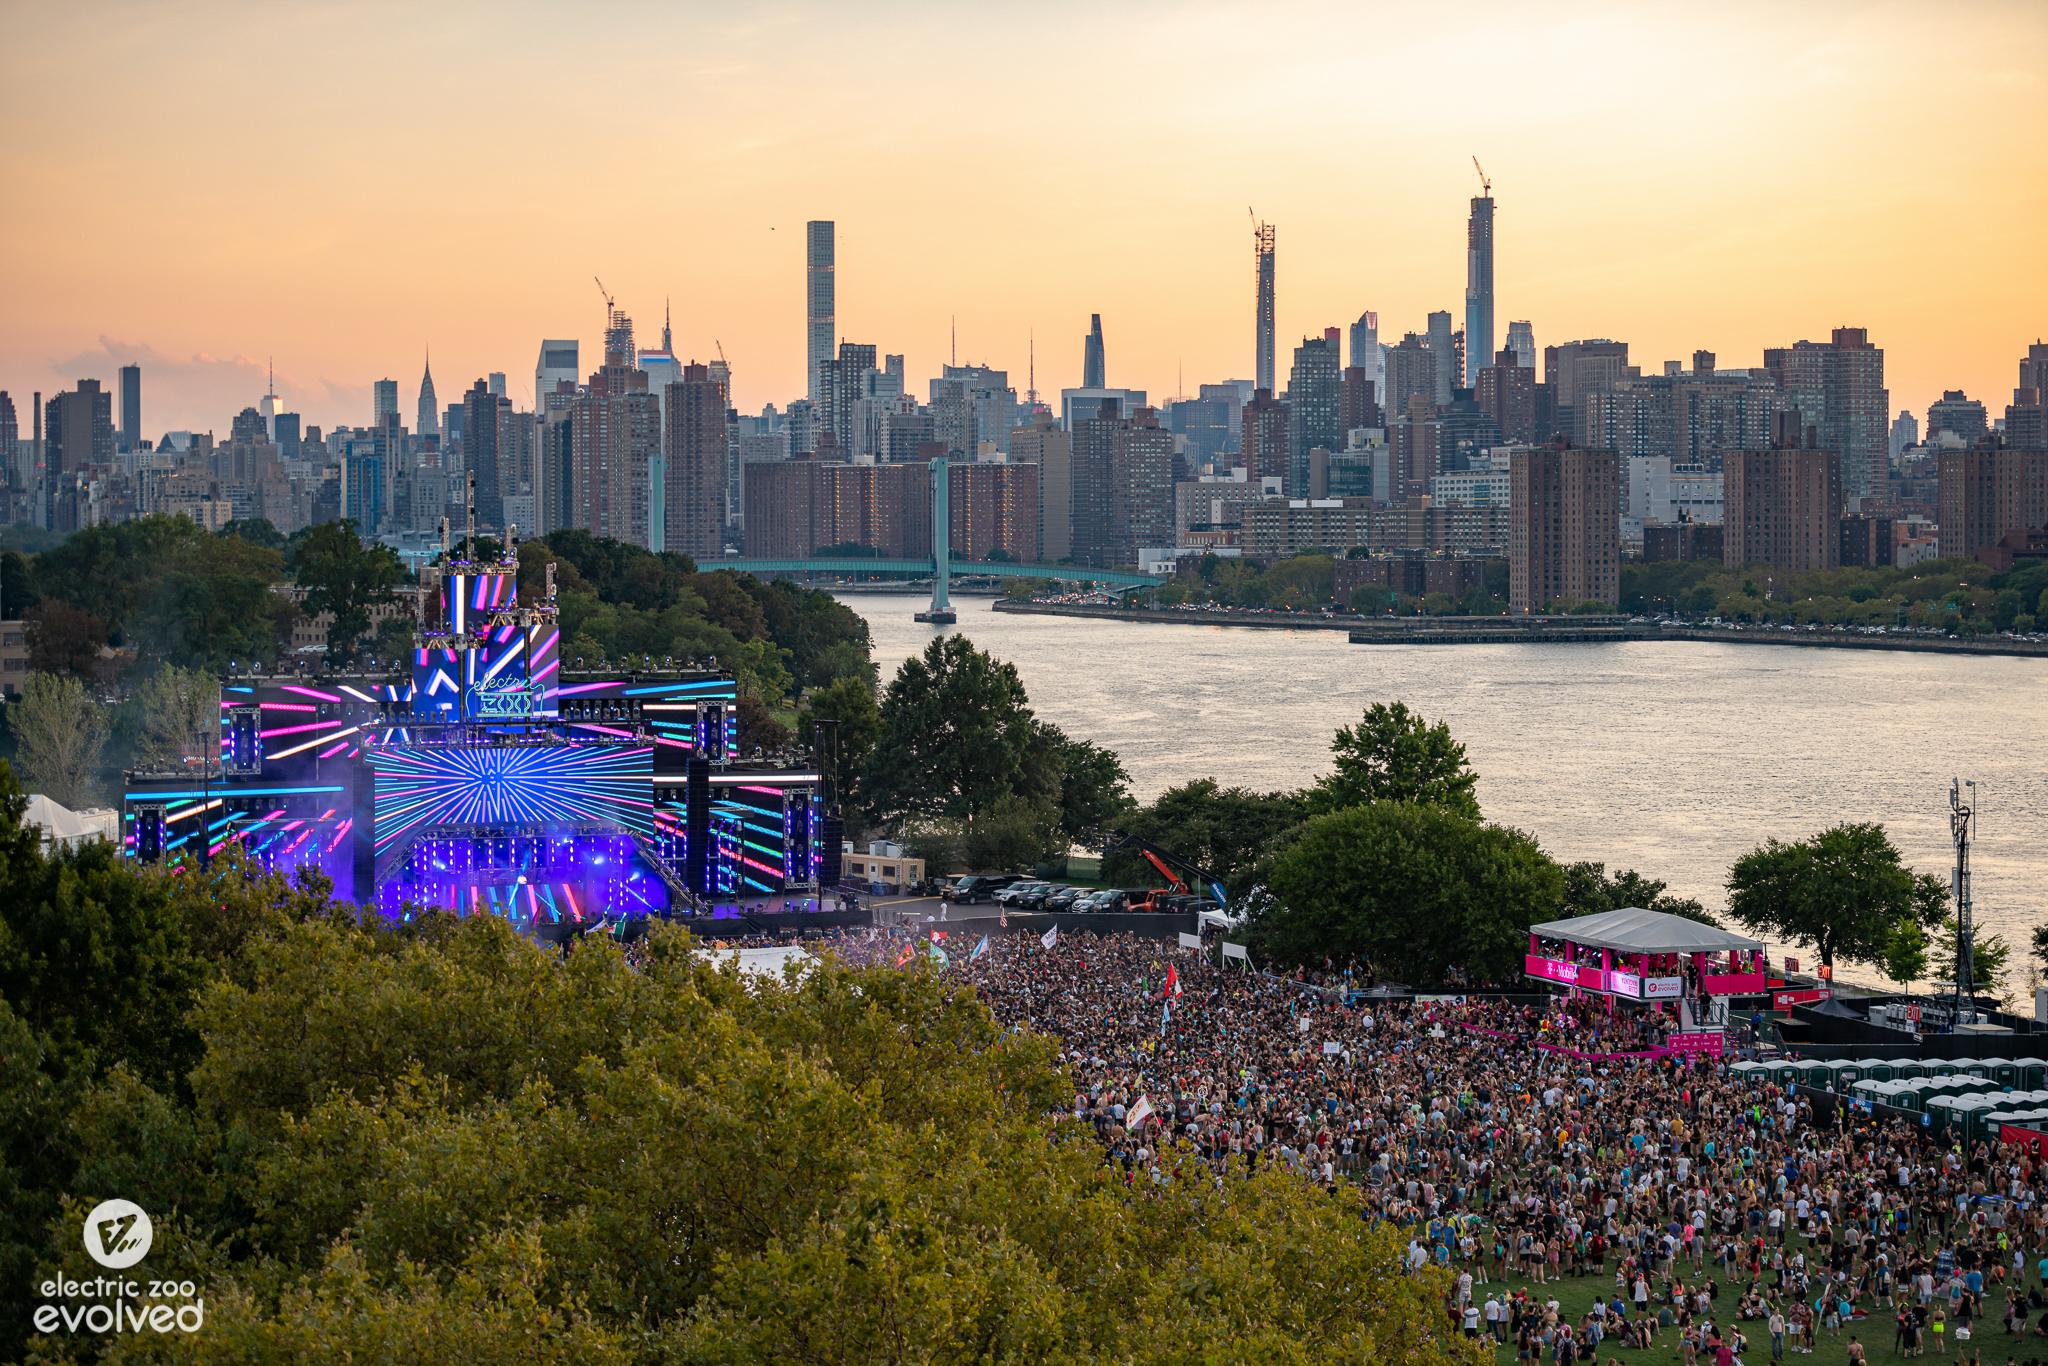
[{"x": 1719, "y": 1208}]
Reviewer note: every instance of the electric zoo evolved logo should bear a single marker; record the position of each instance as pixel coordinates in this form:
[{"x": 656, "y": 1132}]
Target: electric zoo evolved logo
[{"x": 117, "y": 1236}]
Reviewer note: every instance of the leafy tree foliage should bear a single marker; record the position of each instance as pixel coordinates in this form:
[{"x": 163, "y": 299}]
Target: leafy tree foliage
[
  {"x": 956, "y": 732},
  {"x": 1226, "y": 830},
  {"x": 1395, "y": 755},
  {"x": 59, "y": 731},
  {"x": 64, "y": 640},
  {"x": 180, "y": 716},
  {"x": 346, "y": 577},
  {"x": 1416, "y": 889},
  {"x": 1990, "y": 956},
  {"x": 1846, "y": 892},
  {"x": 851, "y": 702},
  {"x": 1588, "y": 890}
]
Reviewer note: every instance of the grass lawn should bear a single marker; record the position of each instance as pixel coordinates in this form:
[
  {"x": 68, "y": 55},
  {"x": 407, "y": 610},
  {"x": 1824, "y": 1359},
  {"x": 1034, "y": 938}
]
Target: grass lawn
[{"x": 1990, "y": 1344}]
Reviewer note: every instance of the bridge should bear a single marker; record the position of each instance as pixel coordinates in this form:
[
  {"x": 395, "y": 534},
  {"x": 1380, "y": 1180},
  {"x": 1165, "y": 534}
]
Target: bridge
[
  {"x": 941, "y": 565},
  {"x": 995, "y": 568}
]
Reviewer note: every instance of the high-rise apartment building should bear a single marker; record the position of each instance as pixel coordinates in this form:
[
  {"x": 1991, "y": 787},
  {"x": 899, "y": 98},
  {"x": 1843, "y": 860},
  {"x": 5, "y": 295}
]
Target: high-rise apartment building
[
  {"x": 1265, "y": 339},
  {"x": 1478, "y": 288},
  {"x": 1312, "y": 409},
  {"x": 557, "y": 365},
  {"x": 1411, "y": 370},
  {"x": 11, "y": 453},
  {"x": 1093, "y": 443},
  {"x": 429, "y": 406},
  {"x": 1234, "y": 394},
  {"x": 694, "y": 444},
  {"x": 383, "y": 399},
  {"x": 1042, "y": 442},
  {"x": 1141, "y": 487},
  {"x": 993, "y": 507},
  {"x": 1205, "y": 422},
  {"x": 615, "y": 440},
  {"x": 1262, "y": 446},
  {"x": 78, "y": 430},
  {"x": 800, "y": 505},
  {"x": 842, "y": 382},
  {"x": 1956, "y": 412},
  {"x": 1507, "y": 391},
  {"x": 1365, "y": 348},
  {"x": 821, "y": 300},
  {"x": 1094, "y": 365},
  {"x": 1564, "y": 543},
  {"x": 1905, "y": 433},
  {"x": 2026, "y": 417},
  {"x": 1987, "y": 491},
  {"x": 1415, "y": 446},
  {"x": 1522, "y": 341},
  {"x": 1443, "y": 345},
  {"x": 1577, "y": 368},
  {"x": 131, "y": 409},
  {"x": 1838, "y": 388},
  {"x": 1782, "y": 507},
  {"x": 1688, "y": 417},
  {"x": 1357, "y": 401},
  {"x": 480, "y": 442}
]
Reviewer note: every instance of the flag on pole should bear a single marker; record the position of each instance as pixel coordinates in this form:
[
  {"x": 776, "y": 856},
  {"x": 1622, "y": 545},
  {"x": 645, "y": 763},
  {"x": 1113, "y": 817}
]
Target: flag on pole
[
  {"x": 1050, "y": 937},
  {"x": 1165, "y": 1016},
  {"x": 1172, "y": 980},
  {"x": 1003, "y": 914},
  {"x": 1138, "y": 1112},
  {"x": 979, "y": 949},
  {"x": 939, "y": 956},
  {"x": 909, "y": 952}
]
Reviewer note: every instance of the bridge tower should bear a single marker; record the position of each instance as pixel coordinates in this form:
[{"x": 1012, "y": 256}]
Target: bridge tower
[{"x": 941, "y": 613}]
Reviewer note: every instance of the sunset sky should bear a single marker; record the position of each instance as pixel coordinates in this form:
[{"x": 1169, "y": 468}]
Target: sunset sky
[{"x": 340, "y": 186}]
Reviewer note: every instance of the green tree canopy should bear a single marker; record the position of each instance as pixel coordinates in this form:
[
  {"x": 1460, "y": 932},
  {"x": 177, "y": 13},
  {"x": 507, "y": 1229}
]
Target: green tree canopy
[
  {"x": 1395, "y": 755},
  {"x": 1845, "y": 892},
  {"x": 956, "y": 731},
  {"x": 344, "y": 576},
  {"x": 850, "y": 702},
  {"x": 1413, "y": 888},
  {"x": 1588, "y": 890},
  {"x": 1225, "y": 830}
]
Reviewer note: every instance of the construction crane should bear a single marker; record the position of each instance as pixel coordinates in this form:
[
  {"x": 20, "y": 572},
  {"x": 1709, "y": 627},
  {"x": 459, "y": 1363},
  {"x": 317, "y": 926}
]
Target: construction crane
[
  {"x": 609, "y": 303},
  {"x": 1485, "y": 185},
  {"x": 1167, "y": 862}
]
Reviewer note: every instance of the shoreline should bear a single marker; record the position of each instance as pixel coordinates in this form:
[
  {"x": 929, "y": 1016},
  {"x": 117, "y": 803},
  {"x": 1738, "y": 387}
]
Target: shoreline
[{"x": 1524, "y": 630}]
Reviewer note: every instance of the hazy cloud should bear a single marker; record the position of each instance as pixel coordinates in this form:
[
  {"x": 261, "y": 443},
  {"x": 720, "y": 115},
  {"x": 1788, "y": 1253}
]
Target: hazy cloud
[{"x": 203, "y": 392}]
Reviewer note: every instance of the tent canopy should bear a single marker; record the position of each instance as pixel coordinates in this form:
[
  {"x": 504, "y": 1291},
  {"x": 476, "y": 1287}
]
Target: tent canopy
[{"x": 1635, "y": 930}]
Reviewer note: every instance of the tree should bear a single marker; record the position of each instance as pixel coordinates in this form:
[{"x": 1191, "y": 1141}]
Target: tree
[
  {"x": 256, "y": 531},
  {"x": 1088, "y": 786},
  {"x": 1844, "y": 892},
  {"x": 1393, "y": 754},
  {"x": 955, "y": 733},
  {"x": 1905, "y": 953},
  {"x": 180, "y": 716},
  {"x": 63, "y": 639},
  {"x": 1989, "y": 956},
  {"x": 59, "y": 731},
  {"x": 760, "y": 731},
  {"x": 1373, "y": 598},
  {"x": 1590, "y": 891},
  {"x": 1226, "y": 831},
  {"x": 1416, "y": 889},
  {"x": 851, "y": 702},
  {"x": 343, "y": 576}
]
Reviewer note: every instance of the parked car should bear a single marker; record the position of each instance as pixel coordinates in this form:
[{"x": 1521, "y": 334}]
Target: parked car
[
  {"x": 983, "y": 886},
  {"x": 1035, "y": 900},
  {"x": 1016, "y": 892},
  {"x": 1065, "y": 900}
]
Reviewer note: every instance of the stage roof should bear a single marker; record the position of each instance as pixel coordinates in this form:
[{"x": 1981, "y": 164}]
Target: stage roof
[{"x": 1635, "y": 930}]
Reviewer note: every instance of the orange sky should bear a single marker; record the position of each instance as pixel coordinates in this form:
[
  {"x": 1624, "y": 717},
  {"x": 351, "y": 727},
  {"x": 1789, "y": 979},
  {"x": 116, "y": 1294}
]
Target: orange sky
[{"x": 341, "y": 185}]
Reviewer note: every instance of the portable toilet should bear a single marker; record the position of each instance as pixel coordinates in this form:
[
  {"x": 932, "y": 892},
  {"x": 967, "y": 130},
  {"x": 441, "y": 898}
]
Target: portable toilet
[
  {"x": 1974, "y": 1067},
  {"x": 1847, "y": 1073},
  {"x": 2033, "y": 1073},
  {"x": 1746, "y": 1072},
  {"x": 1867, "y": 1089},
  {"x": 2005, "y": 1071},
  {"x": 1942, "y": 1110},
  {"x": 1879, "y": 1069},
  {"x": 1781, "y": 1072},
  {"x": 1819, "y": 1074},
  {"x": 1939, "y": 1067},
  {"x": 1906, "y": 1069}
]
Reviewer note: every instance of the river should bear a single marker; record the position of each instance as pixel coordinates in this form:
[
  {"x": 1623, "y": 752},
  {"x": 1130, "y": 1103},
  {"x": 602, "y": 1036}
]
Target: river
[{"x": 1670, "y": 757}]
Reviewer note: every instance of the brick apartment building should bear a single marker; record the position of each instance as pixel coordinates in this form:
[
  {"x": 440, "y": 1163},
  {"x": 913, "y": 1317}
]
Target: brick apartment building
[{"x": 1564, "y": 528}]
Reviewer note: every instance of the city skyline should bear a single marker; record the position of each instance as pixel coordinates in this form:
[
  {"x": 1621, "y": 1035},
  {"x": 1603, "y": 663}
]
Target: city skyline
[{"x": 1649, "y": 206}]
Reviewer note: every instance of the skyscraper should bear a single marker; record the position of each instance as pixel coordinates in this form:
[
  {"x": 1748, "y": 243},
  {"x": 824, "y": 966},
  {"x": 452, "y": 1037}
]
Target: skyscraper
[
  {"x": 10, "y": 444},
  {"x": 1411, "y": 370},
  {"x": 821, "y": 295},
  {"x": 1479, "y": 287},
  {"x": 131, "y": 408},
  {"x": 1094, "y": 366},
  {"x": 383, "y": 399},
  {"x": 1263, "y": 448},
  {"x": 1312, "y": 409},
  {"x": 1445, "y": 350},
  {"x": 1521, "y": 341},
  {"x": 1365, "y": 349},
  {"x": 1782, "y": 508},
  {"x": 1905, "y": 432},
  {"x": 1955, "y": 411},
  {"x": 694, "y": 439},
  {"x": 1262, "y": 261},
  {"x": 1838, "y": 387},
  {"x": 480, "y": 454},
  {"x": 78, "y": 430},
  {"x": 1564, "y": 528},
  {"x": 1578, "y": 368},
  {"x": 558, "y": 364},
  {"x": 429, "y": 409}
]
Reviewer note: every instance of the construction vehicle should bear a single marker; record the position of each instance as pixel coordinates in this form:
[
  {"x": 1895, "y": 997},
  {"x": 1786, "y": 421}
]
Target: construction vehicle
[{"x": 1172, "y": 867}]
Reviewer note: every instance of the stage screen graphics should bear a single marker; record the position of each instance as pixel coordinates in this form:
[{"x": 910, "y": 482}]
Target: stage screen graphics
[
  {"x": 508, "y": 785},
  {"x": 564, "y": 875}
]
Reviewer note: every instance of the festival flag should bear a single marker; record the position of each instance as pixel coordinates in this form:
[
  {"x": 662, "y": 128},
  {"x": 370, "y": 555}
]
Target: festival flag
[
  {"x": 1165, "y": 1017},
  {"x": 937, "y": 935},
  {"x": 1003, "y": 914},
  {"x": 909, "y": 952},
  {"x": 939, "y": 956},
  {"x": 1138, "y": 1112},
  {"x": 979, "y": 949},
  {"x": 1050, "y": 937},
  {"x": 1172, "y": 980}
]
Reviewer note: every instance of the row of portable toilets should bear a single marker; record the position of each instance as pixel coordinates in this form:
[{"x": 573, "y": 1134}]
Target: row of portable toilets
[{"x": 1969, "y": 1097}]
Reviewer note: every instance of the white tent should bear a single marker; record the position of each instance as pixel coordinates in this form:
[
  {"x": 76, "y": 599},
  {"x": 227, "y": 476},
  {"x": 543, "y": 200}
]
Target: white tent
[
  {"x": 1635, "y": 930},
  {"x": 62, "y": 826}
]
